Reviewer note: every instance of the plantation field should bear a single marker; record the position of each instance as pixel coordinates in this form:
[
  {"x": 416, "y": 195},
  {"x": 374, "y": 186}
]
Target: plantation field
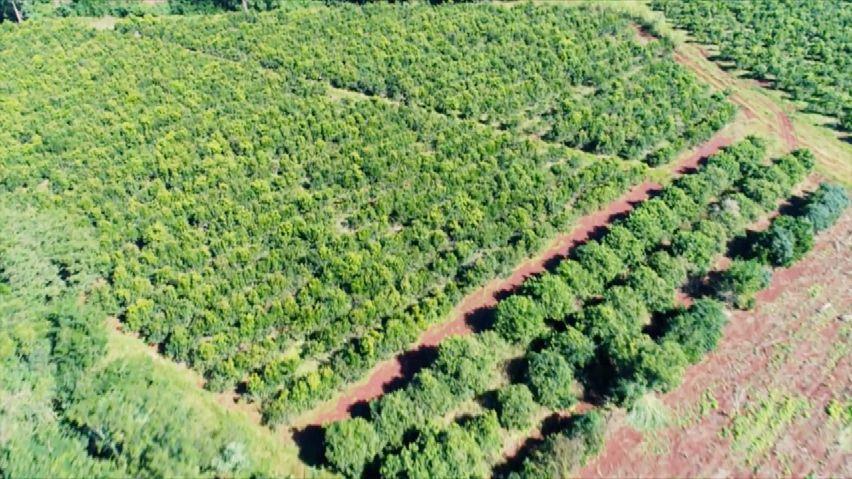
[
  {"x": 575, "y": 76},
  {"x": 604, "y": 327},
  {"x": 512, "y": 240},
  {"x": 796, "y": 46},
  {"x": 282, "y": 238}
]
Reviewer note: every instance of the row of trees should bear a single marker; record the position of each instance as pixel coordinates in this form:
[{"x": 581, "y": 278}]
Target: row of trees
[
  {"x": 260, "y": 230},
  {"x": 584, "y": 323},
  {"x": 574, "y": 75},
  {"x": 697, "y": 329},
  {"x": 802, "y": 47}
]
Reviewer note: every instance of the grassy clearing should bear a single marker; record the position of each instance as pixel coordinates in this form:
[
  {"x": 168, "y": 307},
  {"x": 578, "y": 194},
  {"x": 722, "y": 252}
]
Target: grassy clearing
[{"x": 277, "y": 451}]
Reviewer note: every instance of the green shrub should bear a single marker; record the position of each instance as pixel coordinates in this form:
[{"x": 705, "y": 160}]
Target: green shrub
[
  {"x": 519, "y": 319},
  {"x": 742, "y": 280},
  {"x": 515, "y": 406},
  {"x": 551, "y": 379},
  {"x": 698, "y": 328},
  {"x": 350, "y": 444}
]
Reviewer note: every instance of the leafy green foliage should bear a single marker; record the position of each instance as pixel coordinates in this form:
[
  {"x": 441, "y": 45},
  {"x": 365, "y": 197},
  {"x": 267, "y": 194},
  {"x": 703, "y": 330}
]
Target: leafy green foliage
[
  {"x": 800, "y": 46},
  {"x": 786, "y": 241},
  {"x": 742, "y": 280},
  {"x": 551, "y": 379},
  {"x": 825, "y": 206},
  {"x": 515, "y": 406},
  {"x": 350, "y": 444},
  {"x": 698, "y": 328},
  {"x": 450, "y": 452},
  {"x": 519, "y": 319},
  {"x": 575, "y": 75},
  {"x": 562, "y": 453},
  {"x": 577, "y": 348}
]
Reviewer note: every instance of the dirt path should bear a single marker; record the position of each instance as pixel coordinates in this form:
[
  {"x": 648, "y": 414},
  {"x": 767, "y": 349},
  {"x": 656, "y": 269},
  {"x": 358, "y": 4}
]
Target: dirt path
[
  {"x": 796, "y": 343},
  {"x": 390, "y": 374}
]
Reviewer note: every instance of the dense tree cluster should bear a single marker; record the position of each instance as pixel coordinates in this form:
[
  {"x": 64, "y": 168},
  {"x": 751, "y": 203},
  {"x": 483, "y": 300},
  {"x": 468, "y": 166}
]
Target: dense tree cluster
[
  {"x": 801, "y": 46},
  {"x": 261, "y": 230},
  {"x": 66, "y": 410},
  {"x": 573, "y": 75},
  {"x": 597, "y": 336}
]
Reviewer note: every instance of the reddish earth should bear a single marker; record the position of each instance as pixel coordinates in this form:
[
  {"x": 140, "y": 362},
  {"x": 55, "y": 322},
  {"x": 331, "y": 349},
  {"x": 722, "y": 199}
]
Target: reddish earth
[
  {"x": 795, "y": 343},
  {"x": 387, "y": 373},
  {"x": 785, "y": 128}
]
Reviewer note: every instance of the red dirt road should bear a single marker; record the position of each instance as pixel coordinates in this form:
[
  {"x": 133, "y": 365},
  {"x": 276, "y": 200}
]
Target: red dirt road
[
  {"x": 796, "y": 343},
  {"x": 391, "y": 371}
]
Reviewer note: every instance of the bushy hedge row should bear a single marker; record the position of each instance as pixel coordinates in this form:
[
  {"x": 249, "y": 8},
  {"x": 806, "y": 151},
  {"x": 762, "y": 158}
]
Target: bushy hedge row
[
  {"x": 620, "y": 288},
  {"x": 698, "y": 328},
  {"x": 791, "y": 236}
]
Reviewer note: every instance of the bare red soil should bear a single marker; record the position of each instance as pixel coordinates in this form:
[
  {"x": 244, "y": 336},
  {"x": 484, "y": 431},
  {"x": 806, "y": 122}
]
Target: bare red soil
[
  {"x": 385, "y": 374},
  {"x": 795, "y": 343},
  {"x": 785, "y": 127}
]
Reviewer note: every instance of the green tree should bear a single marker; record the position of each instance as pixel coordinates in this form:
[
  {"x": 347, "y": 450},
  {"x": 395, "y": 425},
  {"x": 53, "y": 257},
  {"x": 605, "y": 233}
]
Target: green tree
[
  {"x": 519, "y": 319},
  {"x": 451, "y": 452},
  {"x": 553, "y": 294},
  {"x": 577, "y": 348},
  {"x": 698, "y": 328},
  {"x": 551, "y": 379},
  {"x": 350, "y": 444},
  {"x": 743, "y": 278},
  {"x": 515, "y": 406},
  {"x": 786, "y": 240},
  {"x": 826, "y": 205}
]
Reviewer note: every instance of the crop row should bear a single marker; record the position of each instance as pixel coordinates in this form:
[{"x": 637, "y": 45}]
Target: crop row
[
  {"x": 586, "y": 319},
  {"x": 788, "y": 238},
  {"x": 573, "y": 75},
  {"x": 260, "y": 230}
]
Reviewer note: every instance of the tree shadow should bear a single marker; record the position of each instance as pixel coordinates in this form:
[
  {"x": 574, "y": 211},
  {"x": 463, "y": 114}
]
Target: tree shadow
[
  {"x": 482, "y": 319},
  {"x": 310, "y": 441}
]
